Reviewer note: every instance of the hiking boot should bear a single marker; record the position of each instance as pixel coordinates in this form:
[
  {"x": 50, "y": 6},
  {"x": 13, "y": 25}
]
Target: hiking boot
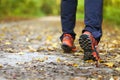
[
  {"x": 89, "y": 45},
  {"x": 68, "y": 43}
]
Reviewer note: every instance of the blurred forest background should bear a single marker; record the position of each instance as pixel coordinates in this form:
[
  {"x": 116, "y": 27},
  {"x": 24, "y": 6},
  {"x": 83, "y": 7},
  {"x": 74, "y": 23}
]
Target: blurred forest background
[{"x": 38, "y": 8}]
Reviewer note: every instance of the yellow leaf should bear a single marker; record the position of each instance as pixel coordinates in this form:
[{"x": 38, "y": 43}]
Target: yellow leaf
[
  {"x": 40, "y": 49},
  {"x": 77, "y": 53},
  {"x": 50, "y": 48},
  {"x": 49, "y": 38},
  {"x": 32, "y": 49},
  {"x": 39, "y": 59},
  {"x": 21, "y": 53},
  {"x": 1, "y": 66},
  {"x": 115, "y": 42},
  {"x": 2, "y": 34},
  {"x": 89, "y": 61},
  {"x": 55, "y": 45},
  {"x": 110, "y": 64},
  {"x": 7, "y": 43},
  {"x": 38, "y": 38},
  {"x": 22, "y": 33},
  {"x": 101, "y": 61},
  {"x": 27, "y": 39},
  {"x": 10, "y": 50},
  {"x": 0, "y": 39},
  {"x": 58, "y": 60},
  {"x": 111, "y": 78},
  {"x": 75, "y": 65},
  {"x": 118, "y": 69}
]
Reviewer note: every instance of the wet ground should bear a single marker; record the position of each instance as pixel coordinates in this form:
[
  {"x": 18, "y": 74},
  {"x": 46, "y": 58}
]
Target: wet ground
[{"x": 30, "y": 50}]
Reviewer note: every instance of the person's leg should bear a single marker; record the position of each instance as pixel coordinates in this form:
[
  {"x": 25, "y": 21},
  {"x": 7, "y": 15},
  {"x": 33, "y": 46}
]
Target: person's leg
[
  {"x": 68, "y": 16},
  {"x": 92, "y": 31},
  {"x": 93, "y": 17},
  {"x": 68, "y": 19}
]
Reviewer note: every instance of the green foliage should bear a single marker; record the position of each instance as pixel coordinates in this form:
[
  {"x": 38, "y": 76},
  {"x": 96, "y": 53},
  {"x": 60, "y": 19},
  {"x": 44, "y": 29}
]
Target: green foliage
[
  {"x": 23, "y": 8},
  {"x": 29, "y": 8},
  {"x": 80, "y": 9},
  {"x": 112, "y": 10}
]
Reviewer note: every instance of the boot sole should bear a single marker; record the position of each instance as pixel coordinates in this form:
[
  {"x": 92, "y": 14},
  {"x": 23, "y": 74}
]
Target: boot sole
[
  {"x": 66, "y": 48},
  {"x": 86, "y": 45}
]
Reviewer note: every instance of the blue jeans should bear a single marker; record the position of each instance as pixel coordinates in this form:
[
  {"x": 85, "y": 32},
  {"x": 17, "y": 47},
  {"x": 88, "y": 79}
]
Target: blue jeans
[{"x": 93, "y": 17}]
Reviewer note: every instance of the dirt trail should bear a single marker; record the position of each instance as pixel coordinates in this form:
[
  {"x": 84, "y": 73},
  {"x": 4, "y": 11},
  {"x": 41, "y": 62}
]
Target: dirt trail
[{"x": 30, "y": 50}]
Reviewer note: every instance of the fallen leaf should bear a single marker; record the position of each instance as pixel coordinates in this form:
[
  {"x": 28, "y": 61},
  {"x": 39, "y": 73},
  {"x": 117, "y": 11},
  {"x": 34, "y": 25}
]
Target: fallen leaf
[
  {"x": 77, "y": 53},
  {"x": 75, "y": 65},
  {"x": 116, "y": 77},
  {"x": 109, "y": 64},
  {"x": 7, "y": 43},
  {"x": 2, "y": 34},
  {"x": 31, "y": 49},
  {"x": 111, "y": 78},
  {"x": 49, "y": 38},
  {"x": 27, "y": 39},
  {"x": 38, "y": 38},
  {"x": 21, "y": 53},
  {"x": 39, "y": 59},
  {"x": 0, "y": 39},
  {"x": 1, "y": 66},
  {"x": 58, "y": 60},
  {"x": 100, "y": 77},
  {"x": 101, "y": 61},
  {"x": 50, "y": 48},
  {"x": 40, "y": 49},
  {"x": 89, "y": 61},
  {"x": 22, "y": 33},
  {"x": 10, "y": 50},
  {"x": 118, "y": 69},
  {"x": 115, "y": 42},
  {"x": 55, "y": 45}
]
